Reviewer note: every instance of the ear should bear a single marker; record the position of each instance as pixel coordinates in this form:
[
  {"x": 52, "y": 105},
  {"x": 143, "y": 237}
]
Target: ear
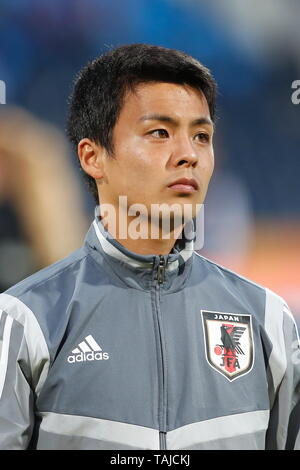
[{"x": 91, "y": 158}]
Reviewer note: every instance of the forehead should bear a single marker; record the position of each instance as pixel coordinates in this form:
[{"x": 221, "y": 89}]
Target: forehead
[{"x": 180, "y": 101}]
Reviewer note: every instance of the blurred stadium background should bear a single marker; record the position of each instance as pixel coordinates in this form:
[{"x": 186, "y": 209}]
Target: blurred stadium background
[{"x": 252, "y": 48}]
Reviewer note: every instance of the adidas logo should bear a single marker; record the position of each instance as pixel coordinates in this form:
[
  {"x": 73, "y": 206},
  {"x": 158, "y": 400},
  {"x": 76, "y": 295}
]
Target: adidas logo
[{"x": 87, "y": 350}]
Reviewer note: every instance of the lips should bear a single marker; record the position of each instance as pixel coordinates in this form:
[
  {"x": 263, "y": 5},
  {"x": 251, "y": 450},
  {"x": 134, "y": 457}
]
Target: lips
[{"x": 184, "y": 185}]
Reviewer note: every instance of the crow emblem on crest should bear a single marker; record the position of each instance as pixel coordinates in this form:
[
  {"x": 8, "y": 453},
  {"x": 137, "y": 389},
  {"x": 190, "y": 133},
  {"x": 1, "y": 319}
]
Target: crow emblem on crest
[{"x": 230, "y": 336}]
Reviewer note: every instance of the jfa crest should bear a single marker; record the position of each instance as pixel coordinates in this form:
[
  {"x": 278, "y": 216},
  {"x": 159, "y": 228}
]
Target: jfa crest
[{"x": 228, "y": 342}]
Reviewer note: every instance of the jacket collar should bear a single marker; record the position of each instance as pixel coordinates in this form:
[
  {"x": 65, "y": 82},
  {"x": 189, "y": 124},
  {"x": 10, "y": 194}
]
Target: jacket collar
[{"x": 142, "y": 267}]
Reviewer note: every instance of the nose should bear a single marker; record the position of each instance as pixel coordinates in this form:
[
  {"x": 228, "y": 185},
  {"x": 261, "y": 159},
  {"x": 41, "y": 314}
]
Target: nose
[{"x": 184, "y": 153}]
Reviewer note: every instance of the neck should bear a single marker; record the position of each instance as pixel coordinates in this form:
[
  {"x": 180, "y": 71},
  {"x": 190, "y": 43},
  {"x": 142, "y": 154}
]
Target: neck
[
  {"x": 143, "y": 236},
  {"x": 148, "y": 247}
]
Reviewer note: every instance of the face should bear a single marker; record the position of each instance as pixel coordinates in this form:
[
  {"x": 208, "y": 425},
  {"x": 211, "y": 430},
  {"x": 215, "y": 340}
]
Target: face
[{"x": 163, "y": 150}]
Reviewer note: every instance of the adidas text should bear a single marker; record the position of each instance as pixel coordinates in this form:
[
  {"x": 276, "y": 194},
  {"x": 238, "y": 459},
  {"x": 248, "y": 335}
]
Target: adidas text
[{"x": 91, "y": 356}]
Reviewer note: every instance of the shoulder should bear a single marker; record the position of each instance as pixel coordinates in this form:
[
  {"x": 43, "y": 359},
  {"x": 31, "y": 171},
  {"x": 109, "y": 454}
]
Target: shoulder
[
  {"x": 45, "y": 276},
  {"x": 227, "y": 275},
  {"x": 38, "y": 304},
  {"x": 34, "y": 298},
  {"x": 272, "y": 305},
  {"x": 276, "y": 314}
]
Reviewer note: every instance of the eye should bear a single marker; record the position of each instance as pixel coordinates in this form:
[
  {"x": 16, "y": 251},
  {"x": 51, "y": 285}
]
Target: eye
[
  {"x": 159, "y": 133},
  {"x": 203, "y": 137}
]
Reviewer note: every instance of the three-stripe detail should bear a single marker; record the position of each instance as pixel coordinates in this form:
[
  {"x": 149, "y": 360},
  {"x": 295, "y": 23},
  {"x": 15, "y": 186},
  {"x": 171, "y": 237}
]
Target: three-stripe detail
[{"x": 88, "y": 345}]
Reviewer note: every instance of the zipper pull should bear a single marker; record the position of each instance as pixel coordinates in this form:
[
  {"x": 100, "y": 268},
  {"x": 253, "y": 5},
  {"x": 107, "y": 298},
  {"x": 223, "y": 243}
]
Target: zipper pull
[{"x": 161, "y": 268}]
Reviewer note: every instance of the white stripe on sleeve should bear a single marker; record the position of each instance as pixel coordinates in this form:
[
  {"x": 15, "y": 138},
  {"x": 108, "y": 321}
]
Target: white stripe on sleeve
[{"x": 4, "y": 352}]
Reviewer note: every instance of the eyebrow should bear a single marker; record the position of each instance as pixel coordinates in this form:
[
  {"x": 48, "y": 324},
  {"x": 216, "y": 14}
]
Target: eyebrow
[{"x": 164, "y": 118}]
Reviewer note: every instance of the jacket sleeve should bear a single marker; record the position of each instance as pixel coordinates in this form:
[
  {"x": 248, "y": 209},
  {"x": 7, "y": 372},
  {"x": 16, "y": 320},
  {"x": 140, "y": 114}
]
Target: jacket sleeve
[
  {"x": 23, "y": 361},
  {"x": 284, "y": 362}
]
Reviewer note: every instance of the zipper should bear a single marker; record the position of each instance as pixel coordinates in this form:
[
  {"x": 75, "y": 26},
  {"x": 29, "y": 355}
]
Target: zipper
[
  {"x": 161, "y": 268},
  {"x": 162, "y": 440}
]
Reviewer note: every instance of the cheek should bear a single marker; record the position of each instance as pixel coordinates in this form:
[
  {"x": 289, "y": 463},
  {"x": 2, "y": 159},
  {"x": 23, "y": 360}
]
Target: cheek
[
  {"x": 206, "y": 163},
  {"x": 135, "y": 154},
  {"x": 143, "y": 166},
  {"x": 137, "y": 175},
  {"x": 212, "y": 163}
]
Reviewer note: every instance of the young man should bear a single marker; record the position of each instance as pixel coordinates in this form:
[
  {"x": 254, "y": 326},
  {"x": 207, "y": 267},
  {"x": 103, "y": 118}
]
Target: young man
[{"x": 135, "y": 341}]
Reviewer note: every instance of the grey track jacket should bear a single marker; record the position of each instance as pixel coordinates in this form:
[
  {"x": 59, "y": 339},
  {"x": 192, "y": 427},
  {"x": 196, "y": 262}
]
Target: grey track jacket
[{"x": 108, "y": 349}]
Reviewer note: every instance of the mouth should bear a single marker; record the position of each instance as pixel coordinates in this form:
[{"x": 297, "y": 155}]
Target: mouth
[{"x": 184, "y": 185}]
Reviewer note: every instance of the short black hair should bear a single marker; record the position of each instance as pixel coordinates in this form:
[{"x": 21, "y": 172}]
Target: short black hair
[{"x": 101, "y": 85}]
